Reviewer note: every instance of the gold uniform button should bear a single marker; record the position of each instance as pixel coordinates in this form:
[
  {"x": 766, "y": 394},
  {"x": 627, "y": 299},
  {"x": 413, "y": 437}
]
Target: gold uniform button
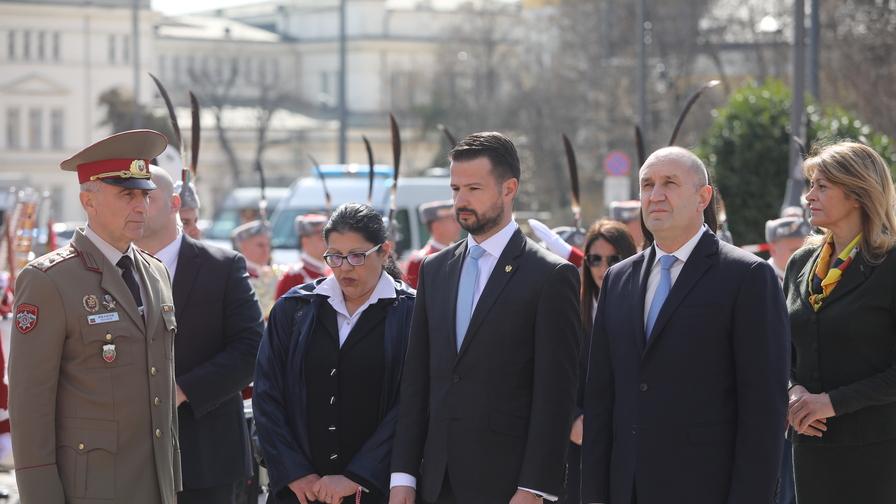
[
  {"x": 153, "y": 371},
  {"x": 81, "y": 446},
  {"x": 157, "y": 401},
  {"x": 108, "y": 336},
  {"x": 158, "y": 433}
]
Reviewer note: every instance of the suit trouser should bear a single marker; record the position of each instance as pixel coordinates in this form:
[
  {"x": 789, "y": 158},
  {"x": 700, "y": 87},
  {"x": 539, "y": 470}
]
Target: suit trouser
[{"x": 222, "y": 494}]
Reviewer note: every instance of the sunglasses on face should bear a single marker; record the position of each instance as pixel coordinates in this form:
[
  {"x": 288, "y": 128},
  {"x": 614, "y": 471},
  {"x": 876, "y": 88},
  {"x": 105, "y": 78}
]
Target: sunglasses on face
[
  {"x": 355, "y": 258},
  {"x": 594, "y": 260}
]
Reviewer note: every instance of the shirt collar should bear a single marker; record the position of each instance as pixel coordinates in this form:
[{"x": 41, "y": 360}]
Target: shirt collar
[
  {"x": 684, "y": 251},
  {"x": 495, "y": 244},
  {"x": 168, "y": 253},
  {"x": 111, "y": 253},
  {"x": 385, "y": 289},
  {"x": 313, "y": 263}
]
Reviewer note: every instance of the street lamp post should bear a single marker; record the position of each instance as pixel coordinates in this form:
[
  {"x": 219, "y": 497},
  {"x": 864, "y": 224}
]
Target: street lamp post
[{"x": 795, "y": 182}]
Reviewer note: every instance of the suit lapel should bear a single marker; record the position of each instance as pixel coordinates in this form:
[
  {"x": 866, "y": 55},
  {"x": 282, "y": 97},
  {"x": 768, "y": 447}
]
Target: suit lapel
[
  {"x": 111, "y": 280},
  {"x": 699, "y": 261},
  {"x": 803, "y": 278},
  {"x": 504, "y": 269},
  {"x": 452, "y": 272},
  {"x": 645, "y": 263},
  {"x": 188, "y": 265}
]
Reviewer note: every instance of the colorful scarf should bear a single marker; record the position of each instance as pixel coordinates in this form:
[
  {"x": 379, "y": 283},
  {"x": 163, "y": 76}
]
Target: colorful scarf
[{"x": 827, "y": 275}]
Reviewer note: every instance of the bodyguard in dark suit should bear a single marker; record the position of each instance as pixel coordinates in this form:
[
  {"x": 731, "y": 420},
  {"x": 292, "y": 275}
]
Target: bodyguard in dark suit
[
  {"x": 685, "y": 400},
  {"x": 490, "y": 376},
  {"x": 219, "y": 328}
]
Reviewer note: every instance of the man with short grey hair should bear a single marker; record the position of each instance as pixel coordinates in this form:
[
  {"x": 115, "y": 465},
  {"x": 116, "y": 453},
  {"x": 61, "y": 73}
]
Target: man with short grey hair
[{"x": 687, "y": 383}]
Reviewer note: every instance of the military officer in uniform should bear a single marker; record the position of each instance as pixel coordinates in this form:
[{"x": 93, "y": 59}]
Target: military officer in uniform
[
  {"x": 310, "y": 230},
  {"x": 91, "y": 369},
  {"x": 443, "y": 231},
  {"x": 253, "y": 240}
]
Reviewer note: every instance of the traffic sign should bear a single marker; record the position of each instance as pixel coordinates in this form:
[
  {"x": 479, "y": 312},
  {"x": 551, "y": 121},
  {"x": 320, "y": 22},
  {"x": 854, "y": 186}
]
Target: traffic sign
[{"x": 617, "y": 163}]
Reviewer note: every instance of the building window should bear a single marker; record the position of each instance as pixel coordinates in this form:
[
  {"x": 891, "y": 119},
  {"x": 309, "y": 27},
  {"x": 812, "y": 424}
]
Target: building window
[
  {"x": 41, "y": 46},
  {"x": 35, "y": 128},
  {"x": 112, "y": 49},
  {"x": 13, "y": 128},
  {"x": 56, "y": 46},
  {"x": 163, "y": 69},
  {"x": 11, "y": 45},
  {"x": 325, "y": 83},
  {"x": 26, "y": 45},
  {"x": 57, "y": 128},
  {"x": 126, "y": 49},
  {"x": 275, "y": 70}
]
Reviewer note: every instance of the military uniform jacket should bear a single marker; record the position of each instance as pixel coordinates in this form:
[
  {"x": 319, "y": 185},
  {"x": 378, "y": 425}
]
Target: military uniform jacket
[{"x": 92, "y": 382}]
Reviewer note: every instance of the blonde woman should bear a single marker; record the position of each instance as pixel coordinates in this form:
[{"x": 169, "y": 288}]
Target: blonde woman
[{"x": 841, "y": 298}]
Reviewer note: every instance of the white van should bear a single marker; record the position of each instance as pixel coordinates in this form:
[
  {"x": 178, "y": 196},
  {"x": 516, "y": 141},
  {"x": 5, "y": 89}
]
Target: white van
[{"x": 348, "y": 184}]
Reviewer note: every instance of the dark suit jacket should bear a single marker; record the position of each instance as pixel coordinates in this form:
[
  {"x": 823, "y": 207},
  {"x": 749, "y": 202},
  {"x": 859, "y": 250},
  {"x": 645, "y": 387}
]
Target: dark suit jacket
[
  {"x": 219, "y": 327},
  {"x": 697, "y": 414},
  {"x": 847, "y": 348},
  {"x": 496, "y": 414}
]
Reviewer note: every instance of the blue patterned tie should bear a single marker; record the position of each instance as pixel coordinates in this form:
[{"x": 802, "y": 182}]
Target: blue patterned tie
[
  {"x": 466, "y": 291},
  {"x": 662, "y": 291}
]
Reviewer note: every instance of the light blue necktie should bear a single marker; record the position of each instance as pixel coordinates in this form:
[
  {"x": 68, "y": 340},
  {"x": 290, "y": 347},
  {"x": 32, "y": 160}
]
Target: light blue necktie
[
  {"x": 662, "y": 291},
  {"x": 466, "y": 292}
]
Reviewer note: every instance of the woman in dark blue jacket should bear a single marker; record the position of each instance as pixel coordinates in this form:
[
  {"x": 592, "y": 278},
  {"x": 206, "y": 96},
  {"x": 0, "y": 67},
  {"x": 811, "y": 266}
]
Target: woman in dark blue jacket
[{"x": 327, "y": 377}]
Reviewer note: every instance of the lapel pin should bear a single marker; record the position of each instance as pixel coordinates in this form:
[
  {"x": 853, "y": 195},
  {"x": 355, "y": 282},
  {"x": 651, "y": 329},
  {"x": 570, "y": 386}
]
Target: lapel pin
[
  {"x": 109, "y": 353},
  {"x": 508, "y": 268},
  {"x": 108, "y": 302},
  {"x": 91, "y": 303}
]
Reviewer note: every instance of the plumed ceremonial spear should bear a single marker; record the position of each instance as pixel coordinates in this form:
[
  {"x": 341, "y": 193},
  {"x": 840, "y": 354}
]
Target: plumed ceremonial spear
[
  {"x": 575, "y": 201},
  {"x": 196, "y": 129},
  {"x": 178, "y": 140},
  {"x": 687, "y": 108},
  {"x": 370, "y": 172},
  {"x": 396, "y": 157},
  {"x": 328, "y": 200},
  {"x": 452, "y": 140}
]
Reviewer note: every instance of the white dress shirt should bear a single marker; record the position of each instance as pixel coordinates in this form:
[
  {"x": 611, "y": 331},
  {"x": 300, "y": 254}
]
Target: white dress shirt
[
  {"x": 681, "y": 254},
  {"x": 113, "y": 255},
  {"x": 494, "y": 246},
  {"x": 168, "y": 254},
  {"x": 385, "y": 289}
]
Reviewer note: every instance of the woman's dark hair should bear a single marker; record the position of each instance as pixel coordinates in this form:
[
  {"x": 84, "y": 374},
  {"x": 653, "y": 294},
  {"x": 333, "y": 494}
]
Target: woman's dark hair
[
  {"x": 367, "y": 222},
  {"x": 617, "y": 235}
]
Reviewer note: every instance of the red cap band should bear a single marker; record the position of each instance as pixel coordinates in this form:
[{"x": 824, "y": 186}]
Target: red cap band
[{"x": 112, "y": 168}]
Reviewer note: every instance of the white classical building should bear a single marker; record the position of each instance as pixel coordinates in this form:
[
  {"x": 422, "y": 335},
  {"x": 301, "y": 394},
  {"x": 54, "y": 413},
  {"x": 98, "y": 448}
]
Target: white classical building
[{"x": 57, "y": 58}]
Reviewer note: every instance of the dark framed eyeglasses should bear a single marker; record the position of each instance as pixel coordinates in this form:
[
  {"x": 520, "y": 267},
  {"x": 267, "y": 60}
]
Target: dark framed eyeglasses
[
  {"x": 594, "y": 260},
  {"x": 355, "y": 258}
]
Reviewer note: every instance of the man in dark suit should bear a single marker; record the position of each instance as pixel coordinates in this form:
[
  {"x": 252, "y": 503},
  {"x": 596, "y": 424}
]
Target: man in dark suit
[
  {"x": 219, "y": 328},
  {"x": 490, "y": 375},
  {"x": 686, "y": 395}
]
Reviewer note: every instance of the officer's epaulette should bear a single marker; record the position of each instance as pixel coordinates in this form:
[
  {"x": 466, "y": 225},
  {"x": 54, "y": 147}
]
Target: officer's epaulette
[{"x": 55, "y": 257}]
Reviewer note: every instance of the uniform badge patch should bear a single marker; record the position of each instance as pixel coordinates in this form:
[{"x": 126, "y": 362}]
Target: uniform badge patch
[
  {"x": 109, "y": 353},
  {"x": 26, "y": 317},
  {"x": 91, "y": 303}
]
